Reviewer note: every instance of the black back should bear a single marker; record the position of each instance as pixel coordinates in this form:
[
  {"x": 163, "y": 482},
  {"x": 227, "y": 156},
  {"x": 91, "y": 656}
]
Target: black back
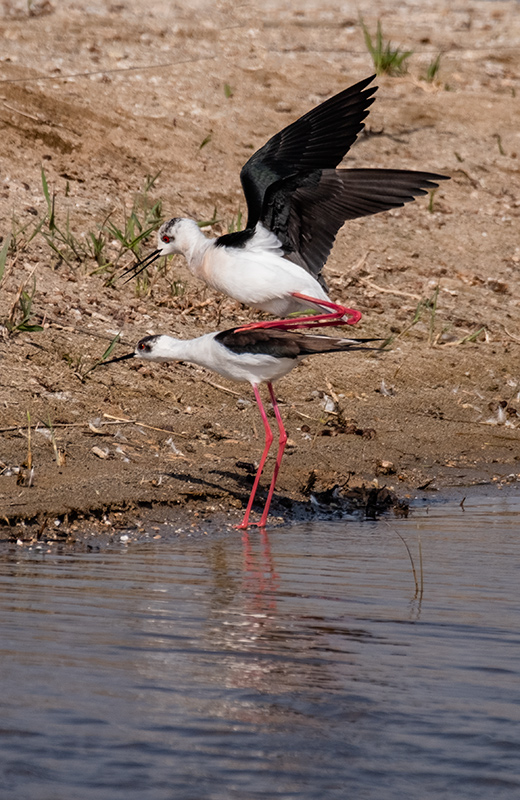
[{"x": 283, "y": 344}]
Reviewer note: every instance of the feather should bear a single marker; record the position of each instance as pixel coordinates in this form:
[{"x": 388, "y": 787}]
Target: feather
[
  {"x": 318, "y": 140},
  {"x": 284, "y": 344},
  {"x": 314, "y": 212}
]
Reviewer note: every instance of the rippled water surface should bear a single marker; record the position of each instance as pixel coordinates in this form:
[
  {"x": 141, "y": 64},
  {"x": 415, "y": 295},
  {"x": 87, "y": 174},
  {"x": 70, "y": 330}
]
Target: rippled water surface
[{"x": 298, "y": 664}]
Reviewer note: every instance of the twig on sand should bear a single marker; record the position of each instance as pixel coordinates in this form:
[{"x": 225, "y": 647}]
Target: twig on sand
[
  {"x": 385, "y": 290},
  {"x": 360, "y": 263},
  {"x": 511, "y": 335},
  {"x": 126, "y": 421},
  {"x": 23, "y": 113},
  {"x": 222, "y": 388},
  {"x": 110, "y": 420},
  {"x": 74, "y": 329}
]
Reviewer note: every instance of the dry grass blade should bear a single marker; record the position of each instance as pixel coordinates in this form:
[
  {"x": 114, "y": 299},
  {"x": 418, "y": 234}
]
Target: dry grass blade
[
  {"x": 511, "y": 335},
  {"x": 390, "y": 290},
  {"x": 29, "y": 459},
  {"x": 3, "y": 256},
  {"x": 471, "y": 337},
  {"x": 221, "y": 388},
  {"x": 126, "y": 421},
  {"x": 418, "y": 586},
  {"x": 59, "y": 455}
]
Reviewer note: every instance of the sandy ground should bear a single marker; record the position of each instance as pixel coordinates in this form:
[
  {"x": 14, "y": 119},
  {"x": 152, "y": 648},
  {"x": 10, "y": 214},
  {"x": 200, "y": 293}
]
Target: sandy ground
[{"x": 155, "y": 113}]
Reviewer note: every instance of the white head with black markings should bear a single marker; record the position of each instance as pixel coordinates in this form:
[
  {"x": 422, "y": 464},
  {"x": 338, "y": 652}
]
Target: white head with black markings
[
  {"x": 178, "y": 235},
  {"x": 154, "y": 348}
]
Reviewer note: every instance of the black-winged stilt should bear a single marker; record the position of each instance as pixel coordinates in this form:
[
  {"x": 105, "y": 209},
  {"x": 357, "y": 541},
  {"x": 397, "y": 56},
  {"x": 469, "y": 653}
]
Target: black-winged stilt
[
  {"x": 257, "y": 356},
  {"x": 297, "y": 201}
]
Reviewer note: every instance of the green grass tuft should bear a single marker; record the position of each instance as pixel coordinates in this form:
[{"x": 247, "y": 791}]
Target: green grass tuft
[
  {"x": 20, "y": 315},
  {"x": 388, "y": 60},
  {"x": 142, "y": 220},
  {"x": 205, "y": 223},
  {"x": 82, "y": 375},
  {"x": 432, "y": 69},
  {"x": 499, "y": 143},
  {"x": 236, "y": 223}
]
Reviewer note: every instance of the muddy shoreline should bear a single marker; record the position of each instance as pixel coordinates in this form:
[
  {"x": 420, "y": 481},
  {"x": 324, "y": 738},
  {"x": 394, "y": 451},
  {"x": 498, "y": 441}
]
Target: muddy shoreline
[{"x": 85, "y": 448}]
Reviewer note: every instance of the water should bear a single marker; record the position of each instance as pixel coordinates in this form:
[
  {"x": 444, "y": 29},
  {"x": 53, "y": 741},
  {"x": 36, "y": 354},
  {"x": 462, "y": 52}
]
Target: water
[{"x": 299, "y": 665}]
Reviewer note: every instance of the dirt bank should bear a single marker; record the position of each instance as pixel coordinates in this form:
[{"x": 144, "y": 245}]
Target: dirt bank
[{"x": 162, "y": 112}]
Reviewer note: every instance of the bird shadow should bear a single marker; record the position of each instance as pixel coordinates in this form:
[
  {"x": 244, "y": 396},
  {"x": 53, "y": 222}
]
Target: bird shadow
[{"x": 333, "y": 503}]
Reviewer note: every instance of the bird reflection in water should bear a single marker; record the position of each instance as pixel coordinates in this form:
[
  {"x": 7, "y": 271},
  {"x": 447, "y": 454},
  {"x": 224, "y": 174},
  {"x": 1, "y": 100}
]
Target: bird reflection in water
[{"x": 261, "y": 582}]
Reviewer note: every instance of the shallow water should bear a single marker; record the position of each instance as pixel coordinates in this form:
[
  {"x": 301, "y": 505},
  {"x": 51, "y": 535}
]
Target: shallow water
[{"x": 301, "y": 664}]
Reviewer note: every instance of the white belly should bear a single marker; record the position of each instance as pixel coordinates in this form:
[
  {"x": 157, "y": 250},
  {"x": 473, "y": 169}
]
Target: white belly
[
  {"x": 253, "y": 368},
  {"x": 263, "y": 280}
]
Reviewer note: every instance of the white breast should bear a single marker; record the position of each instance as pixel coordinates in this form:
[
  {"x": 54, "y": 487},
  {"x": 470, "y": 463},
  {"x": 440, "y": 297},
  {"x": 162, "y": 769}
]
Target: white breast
[
  {"x": 253, "y": 367},
  {"x": 259, "y": 278}
]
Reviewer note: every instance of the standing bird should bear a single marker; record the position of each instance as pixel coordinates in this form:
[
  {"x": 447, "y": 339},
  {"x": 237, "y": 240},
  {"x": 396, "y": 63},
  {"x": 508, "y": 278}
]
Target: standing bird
[
  {"x": 247, "y": 355},
  {"x": 297, "y": 201}
]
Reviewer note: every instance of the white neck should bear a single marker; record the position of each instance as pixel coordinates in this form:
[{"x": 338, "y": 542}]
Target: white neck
[
  {"x": 167, "y": 348},
  {"x": 192, "y": 243}
]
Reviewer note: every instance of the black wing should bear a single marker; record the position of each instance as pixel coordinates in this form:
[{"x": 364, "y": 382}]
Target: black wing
[
  {"x": 285, "y": 344},
  {"x": 307, "y": 214},
  {"x": 318, "y": 140}
]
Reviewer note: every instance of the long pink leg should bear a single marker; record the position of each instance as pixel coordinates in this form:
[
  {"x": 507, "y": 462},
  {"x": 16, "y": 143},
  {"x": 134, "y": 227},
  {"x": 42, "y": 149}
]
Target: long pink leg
[
  {"x": 315, "y": 321},
  {"x": 268, "y": 442},
  {"x": 282, "y": 441}
]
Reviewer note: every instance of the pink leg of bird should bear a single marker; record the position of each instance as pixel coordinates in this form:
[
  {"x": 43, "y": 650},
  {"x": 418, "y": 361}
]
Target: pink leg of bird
[
  {"x": 282, "y": 441},
  {"x": 268, "y": 442},
  {"x": 334, "y": 319}
]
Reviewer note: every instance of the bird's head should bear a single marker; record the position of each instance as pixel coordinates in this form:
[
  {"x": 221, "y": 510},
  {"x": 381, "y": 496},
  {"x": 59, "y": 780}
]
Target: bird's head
[
  {"x": 146, "y": 347},
  {"x": 155, "y": 348},
  {"x": 151, "y": 348},
  {"x": 177, "y": 236}
]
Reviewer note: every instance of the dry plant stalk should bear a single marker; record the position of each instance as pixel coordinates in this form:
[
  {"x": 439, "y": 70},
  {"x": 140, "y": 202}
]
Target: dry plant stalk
[
  {"x": 29, "y": 459},
  {"x": 12, "y": 312},
  {"x": 59, "y": 455}
]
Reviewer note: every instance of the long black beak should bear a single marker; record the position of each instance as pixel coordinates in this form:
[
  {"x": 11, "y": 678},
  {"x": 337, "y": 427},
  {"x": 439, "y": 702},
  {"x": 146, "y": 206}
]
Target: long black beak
[
  {"x": 113, "y": 360},
  {"x": 135, "y": 269}
]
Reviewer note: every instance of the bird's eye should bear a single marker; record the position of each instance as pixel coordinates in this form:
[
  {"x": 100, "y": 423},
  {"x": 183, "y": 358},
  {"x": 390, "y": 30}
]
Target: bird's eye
[
  {"x": 166, "y": 239},
  {"x": 141, "y": 346}
]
